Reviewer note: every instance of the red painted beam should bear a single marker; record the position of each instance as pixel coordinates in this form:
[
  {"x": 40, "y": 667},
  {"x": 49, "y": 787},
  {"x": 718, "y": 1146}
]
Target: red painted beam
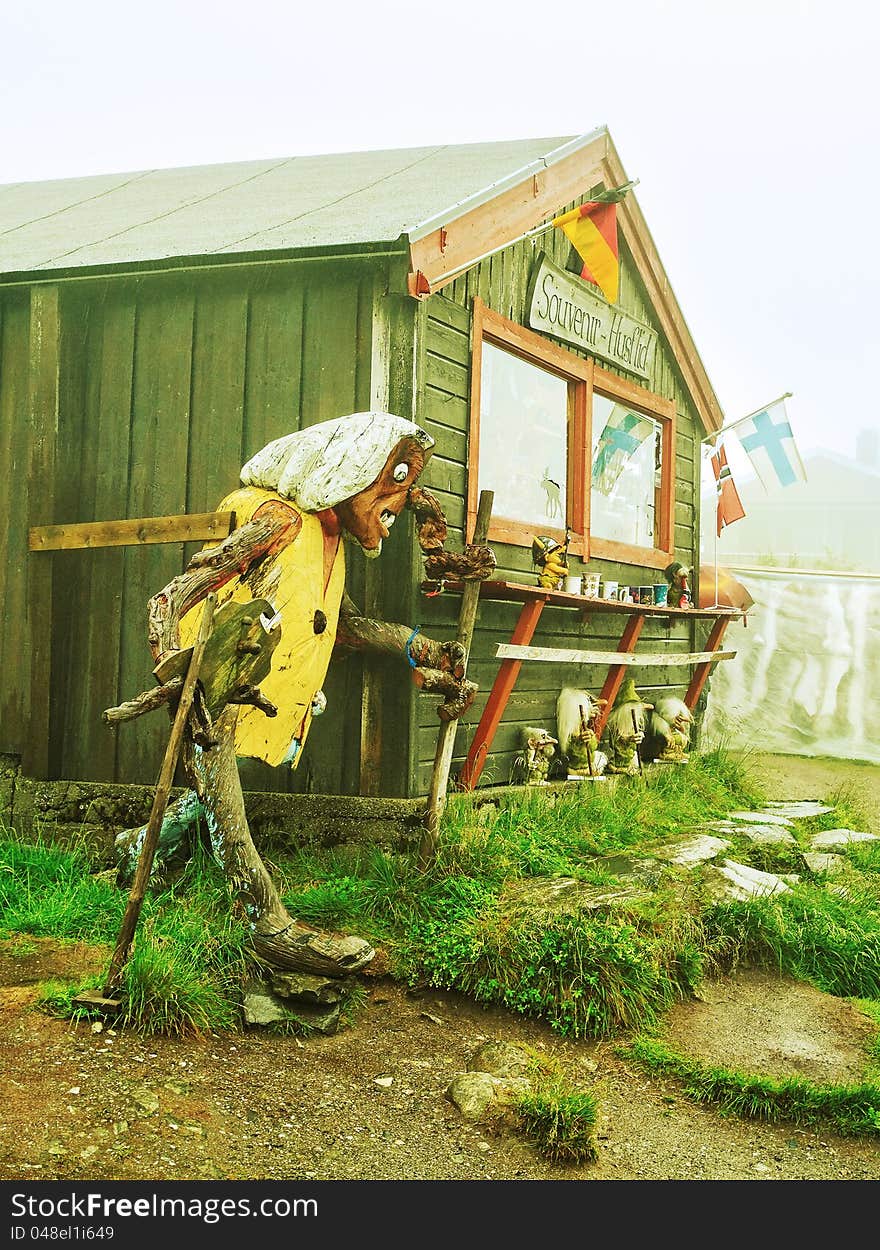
[
  {"x": 701, "y": 672},
  {"x": 499, "y": 695},
  {"x": 616, "y": 672}
]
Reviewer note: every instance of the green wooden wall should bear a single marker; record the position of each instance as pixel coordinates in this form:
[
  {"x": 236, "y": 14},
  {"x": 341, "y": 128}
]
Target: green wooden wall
[
  {"x": 168, "y": 383},
  {"x": 501, "y": 282},
  {"x": 14, "y": 459}
]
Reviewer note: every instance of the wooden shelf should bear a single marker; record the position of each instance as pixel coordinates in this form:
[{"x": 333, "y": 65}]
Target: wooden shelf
[
  {"x": 522, "y": 592},
  {"x": 621, "y": 660}
]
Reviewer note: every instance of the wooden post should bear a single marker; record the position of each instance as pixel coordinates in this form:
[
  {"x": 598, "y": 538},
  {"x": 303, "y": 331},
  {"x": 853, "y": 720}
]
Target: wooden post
[
  {"x": 160, "y": 802},
  {"x": 446, "y": 738}
]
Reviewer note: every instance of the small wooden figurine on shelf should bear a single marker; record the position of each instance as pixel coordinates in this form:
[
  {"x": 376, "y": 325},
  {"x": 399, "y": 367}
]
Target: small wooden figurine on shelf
[
  {"x": 551, "y": 557},
  {"x": 625, "y": 731},
  {"x": 668, "y": 731},
  {"x": 576, "y": 715},
  {"x": 531, "y": 765},
  {"x": 679, "y": 591}
]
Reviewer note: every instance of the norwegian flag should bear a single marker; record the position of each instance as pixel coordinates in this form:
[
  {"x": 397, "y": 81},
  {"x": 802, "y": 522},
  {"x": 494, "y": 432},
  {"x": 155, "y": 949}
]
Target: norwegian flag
[{"x": 730, "y": 507}]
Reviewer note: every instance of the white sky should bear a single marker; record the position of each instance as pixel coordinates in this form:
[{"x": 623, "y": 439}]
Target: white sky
[{"x": 751, "y": 127}]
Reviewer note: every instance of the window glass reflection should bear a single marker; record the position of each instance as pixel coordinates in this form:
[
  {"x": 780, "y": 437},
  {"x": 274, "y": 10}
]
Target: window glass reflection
[
  {"x": 625, "y": 474},
  {"x": 523, "y": 432}
]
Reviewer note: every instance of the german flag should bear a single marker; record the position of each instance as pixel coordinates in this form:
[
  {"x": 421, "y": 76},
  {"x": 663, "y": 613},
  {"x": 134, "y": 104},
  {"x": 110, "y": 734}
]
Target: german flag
[{"x": 592, "y": 231}]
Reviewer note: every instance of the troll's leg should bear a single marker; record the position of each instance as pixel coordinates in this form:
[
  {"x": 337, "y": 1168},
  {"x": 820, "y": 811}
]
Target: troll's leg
[
  {"x": 276, "y": 936},
  {"x": 177, "y": 840}
]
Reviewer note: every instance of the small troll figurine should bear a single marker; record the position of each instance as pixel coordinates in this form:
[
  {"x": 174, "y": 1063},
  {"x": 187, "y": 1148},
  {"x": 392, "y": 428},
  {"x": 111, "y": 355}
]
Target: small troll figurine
[
  {"x": 302, "y": 500},
  {"x": 576, "y": 715},
  {"x": 668, "y": 731},
  {"x": 551, "y": 557},
  {"x": 679, "y": 591},
  {"x": 532, "y": 764},
  {"x": 625, "y": 730}
]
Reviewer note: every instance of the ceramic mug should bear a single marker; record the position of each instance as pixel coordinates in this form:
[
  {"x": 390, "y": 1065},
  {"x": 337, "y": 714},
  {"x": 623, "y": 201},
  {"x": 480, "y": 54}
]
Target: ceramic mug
[
  {"x": 591, "y": 585},
  {"x": 573, "y": 585},
  {"x": 609, "y": 590},
  {"x": 661, "y": 592}
]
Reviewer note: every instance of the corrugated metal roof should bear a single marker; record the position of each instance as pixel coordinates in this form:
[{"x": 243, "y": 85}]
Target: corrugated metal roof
[{"x": 255, "y": 206}]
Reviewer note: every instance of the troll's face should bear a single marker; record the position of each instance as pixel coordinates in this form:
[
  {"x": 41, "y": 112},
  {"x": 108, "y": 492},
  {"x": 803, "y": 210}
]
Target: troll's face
[{"x": 368, "y": 516}]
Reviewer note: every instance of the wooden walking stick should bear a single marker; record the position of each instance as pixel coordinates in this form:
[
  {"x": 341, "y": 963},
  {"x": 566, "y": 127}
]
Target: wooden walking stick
[
  {"x": 160, "y": 803},
  {"x": 632, "y": 713},
  {"x": 470, "y": 598}
]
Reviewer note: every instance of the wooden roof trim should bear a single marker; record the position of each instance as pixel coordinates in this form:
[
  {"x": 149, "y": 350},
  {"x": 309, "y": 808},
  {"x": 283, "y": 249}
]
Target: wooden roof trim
[
  {"x": 444, "y": 253},
  {"x": 503, "y": 219}
]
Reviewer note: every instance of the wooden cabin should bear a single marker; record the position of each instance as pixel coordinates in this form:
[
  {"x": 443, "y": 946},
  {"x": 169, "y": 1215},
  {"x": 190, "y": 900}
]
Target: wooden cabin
[{"x": 157, "y": 328}]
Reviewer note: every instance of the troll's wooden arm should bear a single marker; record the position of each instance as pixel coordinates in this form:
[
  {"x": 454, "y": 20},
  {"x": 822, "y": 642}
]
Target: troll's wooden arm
[
  {"x": 437, "y": 667},
  {"x": 274, "y": 526}
]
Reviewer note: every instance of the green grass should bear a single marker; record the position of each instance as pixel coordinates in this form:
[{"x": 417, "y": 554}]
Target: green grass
[
  {"x": 588, "y": 974},
  {"x": 852, "y": 1110},
  {"x": 558, "y": 1118}
]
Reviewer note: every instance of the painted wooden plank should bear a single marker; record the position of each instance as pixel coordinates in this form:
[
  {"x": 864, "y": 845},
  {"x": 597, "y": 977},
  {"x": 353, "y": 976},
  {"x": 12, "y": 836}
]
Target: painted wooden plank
[
  {"x": 446, "y": 375},
  {"x": 42, "y": 409},
  {"x": 446, "y": 311},
  {"x": 156, "y": 486},
  {"x": 273, "y": 376},
  {"x": 93, "y": 581},
  {"x": 448, "y": 343},
  {"x": 14, "y": 638},
  {"x": 130, "y": 533},
  {"x": 556, "y": 655}
]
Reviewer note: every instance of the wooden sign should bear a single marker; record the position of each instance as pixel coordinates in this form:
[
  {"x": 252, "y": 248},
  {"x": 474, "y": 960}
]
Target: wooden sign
[{"x": 561, "y": 304}]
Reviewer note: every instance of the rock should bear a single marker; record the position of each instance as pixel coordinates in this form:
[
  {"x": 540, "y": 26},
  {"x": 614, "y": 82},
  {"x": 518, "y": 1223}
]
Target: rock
[
  {"x": 261, "y": 1008},
  {"x": 820, "y": 861},
  {"x": 478, "y": 1094},
  {"x": 385, "y": 1081},
  {"x": 839, "y": 837},
  {"x": 503, "y": 1059},
  {"x": 765, "y": 835},
  {"x": 145, "y": 1100},
  {"x": 798, "y": 809},
  {"x": 693, "y": 850},
  {"x": 549, "y": 896},
  {"x": 306, "y": 988},
  {"x": 426, "y": 1015},
  {"x": 733, "y": 880}
]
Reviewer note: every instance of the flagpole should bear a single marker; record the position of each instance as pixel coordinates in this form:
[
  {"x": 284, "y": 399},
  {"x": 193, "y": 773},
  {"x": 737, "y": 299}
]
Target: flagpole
[{"x": 710, "y": 438}]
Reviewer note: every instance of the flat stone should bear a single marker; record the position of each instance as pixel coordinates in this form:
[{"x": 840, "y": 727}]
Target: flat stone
[
  {"x": 760, "y": 818},
  {"x": 693, "y": 850},
  {"x": 798, "y": 809},
  {"x": 821, "y": 861},
  {"x": 839, "y": 837},
  {"x": 562, "y": 895},
  {"x": 765, "y": 835},
  {"x": 733, "y": 880},
  {"x": 310, "y": 989},
  {"x": 261, "y": 1007}
]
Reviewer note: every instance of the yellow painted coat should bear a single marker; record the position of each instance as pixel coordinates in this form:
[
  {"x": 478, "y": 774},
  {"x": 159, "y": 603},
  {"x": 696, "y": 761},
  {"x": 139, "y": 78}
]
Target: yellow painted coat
[{"x": 293, "y": 582}]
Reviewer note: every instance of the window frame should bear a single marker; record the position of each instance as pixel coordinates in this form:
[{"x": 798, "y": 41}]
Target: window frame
[{"x": 584, "y": 377}]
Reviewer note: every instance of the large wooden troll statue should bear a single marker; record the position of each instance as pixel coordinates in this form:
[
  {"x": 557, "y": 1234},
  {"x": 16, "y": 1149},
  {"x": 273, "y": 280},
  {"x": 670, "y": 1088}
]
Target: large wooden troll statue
[{"x": 302, "y": 498}]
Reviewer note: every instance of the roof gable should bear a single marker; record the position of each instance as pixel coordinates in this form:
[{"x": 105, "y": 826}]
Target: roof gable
[{"x": 448, "y": 205}]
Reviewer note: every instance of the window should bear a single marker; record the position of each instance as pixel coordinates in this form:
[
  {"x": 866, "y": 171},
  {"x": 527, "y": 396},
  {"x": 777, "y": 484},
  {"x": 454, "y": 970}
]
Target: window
[{"x": 565, "y": 443}]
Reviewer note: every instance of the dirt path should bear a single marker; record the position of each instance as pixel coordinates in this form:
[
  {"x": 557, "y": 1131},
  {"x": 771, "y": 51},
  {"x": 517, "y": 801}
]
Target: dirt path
[{"x": 85, "y": 1105}]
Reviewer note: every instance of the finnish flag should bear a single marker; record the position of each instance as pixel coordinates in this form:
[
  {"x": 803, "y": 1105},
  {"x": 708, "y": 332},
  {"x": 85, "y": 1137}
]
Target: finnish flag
[{"x": 767, "y": 439}]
